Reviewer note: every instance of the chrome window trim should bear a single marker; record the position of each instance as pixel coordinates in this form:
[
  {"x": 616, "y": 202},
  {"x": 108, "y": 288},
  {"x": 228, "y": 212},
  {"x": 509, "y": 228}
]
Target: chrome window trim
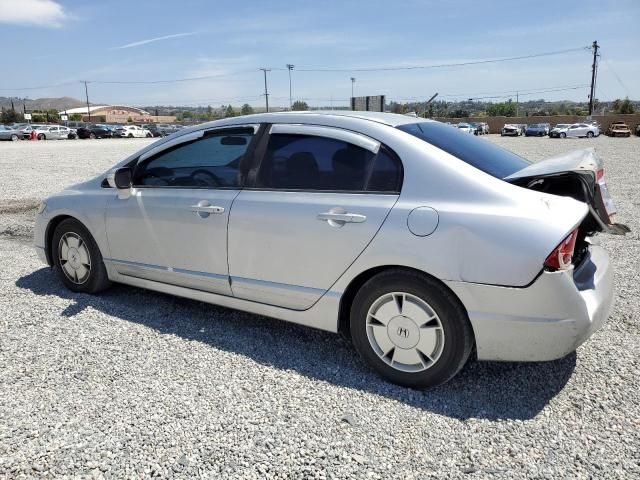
[{"x": 357, "y": 139}]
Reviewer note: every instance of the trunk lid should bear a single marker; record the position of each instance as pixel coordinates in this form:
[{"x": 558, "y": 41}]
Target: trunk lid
[{"x": 578, "y": 174}]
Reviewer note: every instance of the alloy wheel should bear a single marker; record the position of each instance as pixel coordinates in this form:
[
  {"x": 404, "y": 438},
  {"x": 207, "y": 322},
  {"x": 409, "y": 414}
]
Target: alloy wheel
[{"x": 405, "y": 332}]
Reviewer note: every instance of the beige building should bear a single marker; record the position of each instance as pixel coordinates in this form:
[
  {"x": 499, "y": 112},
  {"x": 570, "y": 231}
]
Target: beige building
[{"x": 117, "y": 114}]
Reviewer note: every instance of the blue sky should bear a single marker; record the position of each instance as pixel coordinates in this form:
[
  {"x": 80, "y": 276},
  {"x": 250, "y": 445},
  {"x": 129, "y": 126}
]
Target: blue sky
[{"x": 64, "y": 41}]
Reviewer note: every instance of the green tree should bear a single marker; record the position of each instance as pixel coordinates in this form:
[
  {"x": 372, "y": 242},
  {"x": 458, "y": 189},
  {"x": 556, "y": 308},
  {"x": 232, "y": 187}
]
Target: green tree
[
  {"x": 504, "y": 109},
  {"x": 299, "y": 105},
  {"x": 229, "y": 111},
  {"x": 246, "y": 109},
  {"x": 187, "y": 114},
  {"x": 75, "y": 117},
  {"x": 626, "y": 106},
  {"x": 209, "y": 112},
  {"x": 129, "y": 120},
  {"x": 10, "y": 116}
]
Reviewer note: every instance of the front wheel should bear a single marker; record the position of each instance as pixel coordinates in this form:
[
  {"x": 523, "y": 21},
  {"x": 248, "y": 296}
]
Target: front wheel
[
  {"x": 92, "y": 136},
  {"x": 563, "y": 135},
  {"x": 14, "y": 138},
  {"x": 410, "y": 329},
  {"x": 41, "y": 136},
  {"x": 589, "y": 134},
  {"x": 77, "y": 258}
]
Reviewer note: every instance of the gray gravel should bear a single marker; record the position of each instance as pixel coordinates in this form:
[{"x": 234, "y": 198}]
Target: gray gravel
[{"x": 138, "y": 384}]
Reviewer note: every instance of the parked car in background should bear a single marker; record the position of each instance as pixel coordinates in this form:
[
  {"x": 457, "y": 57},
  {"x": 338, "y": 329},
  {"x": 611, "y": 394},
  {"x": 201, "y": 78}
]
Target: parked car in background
[
  {"x": 510, "y": 130},
  {"x": 559, "y": 131},
  {"x": 619, "y": 129},
  {"x": 154, "y": 130},
  {"x": 418, "y": 288},
  {"x": 10, "y": 133},
  {"x": 466, "y": 128},
  {"x": 55, "y": 132},
  {"x": 26, "y": 129},
  {"x": 94, "y": 131},
  {"x": 582, "y": 130},
  {"x": 132, "y": 131},
  {"x": 483, "y": 128},
  {"x": 638, "y": 130},
  {"x": 536, "y": 130}
]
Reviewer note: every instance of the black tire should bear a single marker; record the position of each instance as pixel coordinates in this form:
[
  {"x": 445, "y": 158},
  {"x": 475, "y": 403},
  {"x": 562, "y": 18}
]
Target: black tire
[
  {"x": 42, "y": 136},
  {"x": 130, "y": 135},
  {"x": 589, "y": 134},
  {"x": 92, "y": 136},
  {"x": 97, "y": 279},
  {"x": 458, "y": 335},
  {"x": 14, "y": 138},
  {"x": 563, "y": 135}
]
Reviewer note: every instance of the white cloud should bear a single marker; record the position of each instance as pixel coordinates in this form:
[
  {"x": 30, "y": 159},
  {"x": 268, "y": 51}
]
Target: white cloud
[
  {"x": 44, "y": 13},
  {"x": 156, "y": 39}
]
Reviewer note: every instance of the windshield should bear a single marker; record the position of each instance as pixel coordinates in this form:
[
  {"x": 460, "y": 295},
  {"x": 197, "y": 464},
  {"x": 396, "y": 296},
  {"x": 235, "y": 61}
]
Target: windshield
[{"x": 475, "y": 151}]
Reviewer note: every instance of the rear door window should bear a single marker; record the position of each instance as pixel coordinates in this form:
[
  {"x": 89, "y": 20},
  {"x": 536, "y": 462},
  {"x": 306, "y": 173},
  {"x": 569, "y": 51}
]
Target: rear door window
[{"x": 316, "y": 163}]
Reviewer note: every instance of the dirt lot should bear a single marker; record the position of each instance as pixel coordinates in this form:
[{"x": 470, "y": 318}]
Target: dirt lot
[{"x": 134, "y": 383}]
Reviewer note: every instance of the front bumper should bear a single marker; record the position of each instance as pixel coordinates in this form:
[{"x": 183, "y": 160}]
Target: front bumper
[{"x": 544, "y": 321}]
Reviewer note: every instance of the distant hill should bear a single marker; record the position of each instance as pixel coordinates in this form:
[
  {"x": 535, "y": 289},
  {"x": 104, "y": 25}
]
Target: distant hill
[{"x": 42, "y": 103}]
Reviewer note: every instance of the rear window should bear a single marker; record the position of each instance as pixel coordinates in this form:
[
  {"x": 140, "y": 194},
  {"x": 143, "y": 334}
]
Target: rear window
[{"x": 475, "y": 151}]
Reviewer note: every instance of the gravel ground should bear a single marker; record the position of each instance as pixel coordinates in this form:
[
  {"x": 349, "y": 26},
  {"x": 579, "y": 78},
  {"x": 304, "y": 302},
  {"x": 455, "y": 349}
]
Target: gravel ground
[{"x": 138, "y": 384}]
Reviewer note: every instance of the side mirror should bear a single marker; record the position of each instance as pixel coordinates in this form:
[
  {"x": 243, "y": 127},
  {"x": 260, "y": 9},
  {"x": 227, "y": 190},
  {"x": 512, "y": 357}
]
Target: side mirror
[{"x": 122, "y": 178}]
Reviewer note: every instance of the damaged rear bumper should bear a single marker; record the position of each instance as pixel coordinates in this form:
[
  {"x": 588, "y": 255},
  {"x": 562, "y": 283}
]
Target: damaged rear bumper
[{"x": 544, "y": 321}]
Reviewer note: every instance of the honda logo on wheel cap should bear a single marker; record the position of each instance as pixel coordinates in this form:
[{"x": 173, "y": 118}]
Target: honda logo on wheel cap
[{"x": 403, "y": 332}]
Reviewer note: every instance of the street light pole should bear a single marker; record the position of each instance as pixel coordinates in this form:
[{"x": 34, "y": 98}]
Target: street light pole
[
  {"x": 290, "y": 67},
  {"x": 353, "y": 80}
]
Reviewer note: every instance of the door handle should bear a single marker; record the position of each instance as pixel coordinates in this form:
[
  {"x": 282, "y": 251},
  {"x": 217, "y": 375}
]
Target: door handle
[
  {"x": 207, "y": 209},
  {"x": 203, "y": 209},
  {"x": 342, "y": 217}
]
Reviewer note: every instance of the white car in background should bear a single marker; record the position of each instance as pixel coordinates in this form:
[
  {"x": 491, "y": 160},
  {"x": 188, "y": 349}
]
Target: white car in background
[
  {"x": 465, "y": 127},
  {"x": 55, "y": 132},
  {"x": 575, "y": 130},
  {"x": 133, "y": 131}
]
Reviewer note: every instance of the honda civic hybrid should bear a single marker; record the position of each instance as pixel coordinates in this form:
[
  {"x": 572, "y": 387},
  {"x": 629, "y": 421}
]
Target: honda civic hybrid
[{"x": 421, "y": 243}]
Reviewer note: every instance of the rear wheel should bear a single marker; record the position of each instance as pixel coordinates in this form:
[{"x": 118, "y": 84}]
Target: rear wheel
[
  {"x": 77, "y": 258},
  {"x": 92, "y": 135},
  {"x": 410, "y": 329},
  {"x": 589, "y": 134},
  {"x": 42, "y": 136}
]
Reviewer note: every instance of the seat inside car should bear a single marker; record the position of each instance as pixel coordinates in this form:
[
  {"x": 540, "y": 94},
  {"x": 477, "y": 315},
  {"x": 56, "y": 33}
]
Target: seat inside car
[{"x": 349, "y": 166}]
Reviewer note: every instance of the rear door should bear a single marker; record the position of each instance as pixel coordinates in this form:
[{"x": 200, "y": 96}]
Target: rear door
[{"x": 318, "y": 197}]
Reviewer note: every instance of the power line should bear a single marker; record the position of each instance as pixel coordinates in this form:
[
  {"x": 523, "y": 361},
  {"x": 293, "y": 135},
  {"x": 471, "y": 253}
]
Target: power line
[
  {"x": 308, "y": 69},
  {"x": 442, "y": 65}
]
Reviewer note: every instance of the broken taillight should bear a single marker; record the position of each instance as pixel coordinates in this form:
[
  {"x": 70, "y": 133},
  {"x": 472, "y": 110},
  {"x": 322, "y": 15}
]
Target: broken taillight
[{"x": 560, "y": 258}]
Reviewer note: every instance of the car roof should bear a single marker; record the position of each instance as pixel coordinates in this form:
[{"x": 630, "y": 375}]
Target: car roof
[{"x": 391, "y": 119}]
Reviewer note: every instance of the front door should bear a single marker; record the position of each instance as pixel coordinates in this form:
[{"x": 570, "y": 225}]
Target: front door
[
  {"x": 319, "y": 197},
  {"x": 172, "y": 227}
]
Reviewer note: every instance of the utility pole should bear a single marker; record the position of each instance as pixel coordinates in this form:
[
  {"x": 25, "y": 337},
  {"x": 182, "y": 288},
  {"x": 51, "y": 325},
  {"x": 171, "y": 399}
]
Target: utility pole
[
  {"x": 290, "y": 67},
  {"x": 266, "y": 92},
  {"x": 353, "y": 80},
  {"x": 86, "y": 92},
  {"x": 594, "y": 70},
  {"x": 517, "y": 103}
]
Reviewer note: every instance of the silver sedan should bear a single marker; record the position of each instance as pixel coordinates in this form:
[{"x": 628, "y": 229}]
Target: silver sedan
[
  {"x": 10, "y": 133},
  {"x": 422, "y": 243}
]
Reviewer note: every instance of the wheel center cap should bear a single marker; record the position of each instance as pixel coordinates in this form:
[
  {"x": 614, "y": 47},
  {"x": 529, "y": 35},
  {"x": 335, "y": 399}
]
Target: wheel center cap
[
  {"x": 403, "y": 332},
  {"x": 74, "y": 257}
]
